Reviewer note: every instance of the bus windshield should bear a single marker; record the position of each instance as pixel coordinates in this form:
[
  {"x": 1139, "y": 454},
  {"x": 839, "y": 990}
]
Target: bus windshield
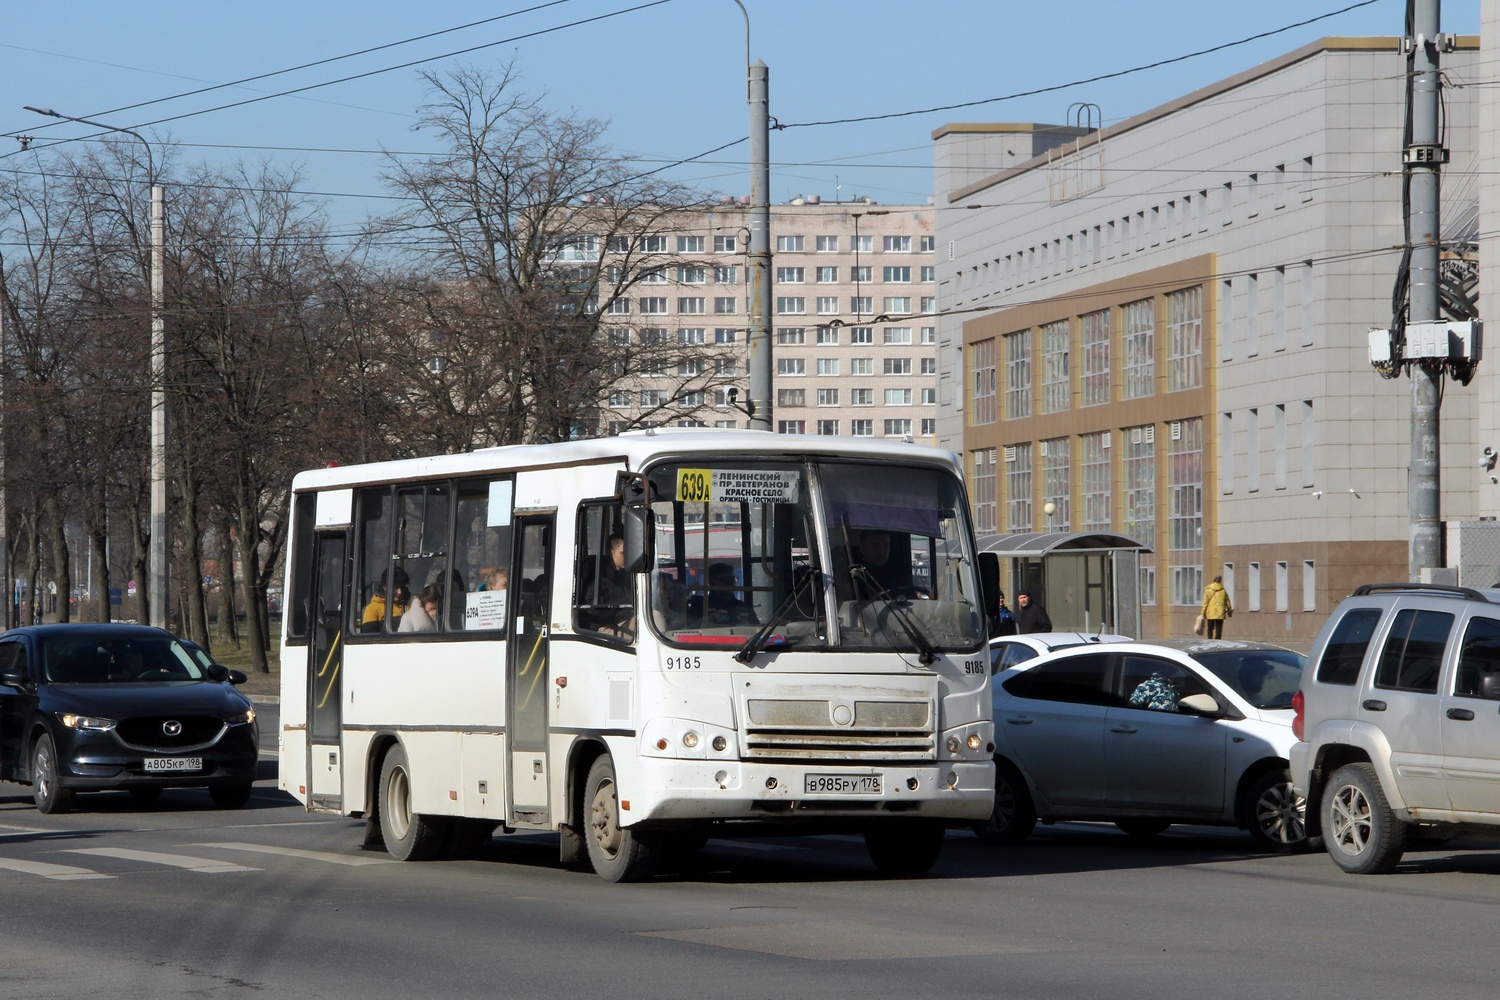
[{"x": 824, "y": 554}]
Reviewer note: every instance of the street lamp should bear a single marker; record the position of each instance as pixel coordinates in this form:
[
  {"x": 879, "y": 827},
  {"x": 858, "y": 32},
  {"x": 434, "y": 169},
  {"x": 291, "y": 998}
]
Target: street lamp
[
  {"x": 157, "y": 569},
  {"x": 1049, "y": 508},
  {"x": 857, "y": 216}
]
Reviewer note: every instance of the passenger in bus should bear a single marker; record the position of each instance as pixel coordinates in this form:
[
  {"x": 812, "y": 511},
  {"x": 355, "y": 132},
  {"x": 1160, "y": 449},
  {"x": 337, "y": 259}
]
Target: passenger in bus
[
  {"x": 722, "y": 607},
  {"x": 423, "y": 614},
  {"x": 494, "y": 578},
  {"x": 400, "y": 597},
  {"x": 875, "y": 557}
]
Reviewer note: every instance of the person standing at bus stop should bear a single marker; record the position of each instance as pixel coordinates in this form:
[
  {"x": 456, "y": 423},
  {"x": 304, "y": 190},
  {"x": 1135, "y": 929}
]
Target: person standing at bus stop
[
  {"x": 1030, "y": 615},
  {"x": 1216, "y": 608}
]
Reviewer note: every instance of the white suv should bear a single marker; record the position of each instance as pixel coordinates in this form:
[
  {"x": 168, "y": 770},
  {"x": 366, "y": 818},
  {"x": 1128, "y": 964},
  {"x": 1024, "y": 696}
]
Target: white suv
[{"x": 1398, "y": 723}]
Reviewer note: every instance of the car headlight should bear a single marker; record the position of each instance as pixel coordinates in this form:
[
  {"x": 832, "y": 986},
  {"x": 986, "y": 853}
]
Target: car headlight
[
  {"x": 87, "y": 723},
  {"x": 243, "y": 719}
]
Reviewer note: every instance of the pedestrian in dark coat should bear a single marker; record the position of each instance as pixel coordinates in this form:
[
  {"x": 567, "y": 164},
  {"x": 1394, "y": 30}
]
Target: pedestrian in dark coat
[{"x": 1030, "y": 615}]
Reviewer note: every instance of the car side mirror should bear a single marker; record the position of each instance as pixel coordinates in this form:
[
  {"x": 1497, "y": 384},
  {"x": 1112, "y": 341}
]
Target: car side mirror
[
  {"x": 1199, "y": 704},
  {"x": 236, "y": 677},
  {"x": 17, "y": 678},
  {"x": 217, "y": 672},
  {"x": 1489, "y": 686}
]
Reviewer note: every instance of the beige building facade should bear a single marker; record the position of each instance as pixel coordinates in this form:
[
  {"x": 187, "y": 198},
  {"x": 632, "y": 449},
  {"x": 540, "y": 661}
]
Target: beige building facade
[{"x": 1161, "y": 329}]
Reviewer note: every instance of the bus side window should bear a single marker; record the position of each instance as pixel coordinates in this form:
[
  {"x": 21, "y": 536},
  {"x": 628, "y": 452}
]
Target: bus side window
[
  {"x": 481, "y": 556},
  {"x": 371, "y": 609},
  {"x": 604, "y": 593}
]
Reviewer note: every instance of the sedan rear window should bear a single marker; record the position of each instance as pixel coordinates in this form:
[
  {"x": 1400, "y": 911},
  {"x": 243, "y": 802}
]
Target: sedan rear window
[{"x": 117, "y": 660}]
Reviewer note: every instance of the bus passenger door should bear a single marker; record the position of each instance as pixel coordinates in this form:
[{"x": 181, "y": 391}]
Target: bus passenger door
[
  {"x": 526, "y": 673},
  {"x": 325, "y": 675}
]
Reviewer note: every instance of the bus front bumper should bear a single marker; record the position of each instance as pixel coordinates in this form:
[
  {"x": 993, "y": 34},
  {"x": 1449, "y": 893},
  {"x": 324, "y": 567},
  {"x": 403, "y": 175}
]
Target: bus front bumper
[{"x": 960, "y": 791}]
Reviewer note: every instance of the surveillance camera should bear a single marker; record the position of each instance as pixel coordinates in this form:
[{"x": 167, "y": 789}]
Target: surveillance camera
[
  {"x": 734, "y": 392},
  {"x": 1487, "y": 458},
  {"x": 1495, "y": 479}
]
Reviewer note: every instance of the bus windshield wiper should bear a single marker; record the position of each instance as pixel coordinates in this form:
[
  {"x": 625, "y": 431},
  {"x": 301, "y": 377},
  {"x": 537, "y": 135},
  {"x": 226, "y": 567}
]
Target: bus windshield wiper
[
  {"x": 753, "y": 644},
  {"x": 927, "y": 654}
]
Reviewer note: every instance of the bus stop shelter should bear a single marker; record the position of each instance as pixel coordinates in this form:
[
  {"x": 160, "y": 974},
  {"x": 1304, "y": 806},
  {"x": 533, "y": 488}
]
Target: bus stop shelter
[{"x": 1089, "y": 581}]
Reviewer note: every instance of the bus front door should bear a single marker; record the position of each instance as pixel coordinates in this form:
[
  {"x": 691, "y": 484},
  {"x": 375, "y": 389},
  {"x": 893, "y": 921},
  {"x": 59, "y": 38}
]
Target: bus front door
[
  {"x": 526, "y": 689},
  {"x": 325, "y": 687}
]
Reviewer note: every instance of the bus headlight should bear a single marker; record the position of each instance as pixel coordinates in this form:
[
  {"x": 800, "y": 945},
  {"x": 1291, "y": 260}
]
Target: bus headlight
[
  {"x": 689, "y": 739},
  {"x": 953, "y": 744},
  {"x": 720, "y": 743},
  {"x": 974, "y": 741}
]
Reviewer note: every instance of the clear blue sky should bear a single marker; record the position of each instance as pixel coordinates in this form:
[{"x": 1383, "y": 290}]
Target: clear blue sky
[{"x": 670, "y": 78}]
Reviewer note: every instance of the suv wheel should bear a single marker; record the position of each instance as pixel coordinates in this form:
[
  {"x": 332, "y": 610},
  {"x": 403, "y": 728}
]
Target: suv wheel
[{"x": 1362, "y": 833}]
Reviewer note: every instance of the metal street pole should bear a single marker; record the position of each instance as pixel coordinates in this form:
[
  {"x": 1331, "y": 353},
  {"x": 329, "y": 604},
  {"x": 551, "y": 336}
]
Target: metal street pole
[
  {"x": 156, "y": 592},
  {"x": 1424, "y": 474},
  {"x": 6, "y": 619},
  {"x": 760, "y": 249}
]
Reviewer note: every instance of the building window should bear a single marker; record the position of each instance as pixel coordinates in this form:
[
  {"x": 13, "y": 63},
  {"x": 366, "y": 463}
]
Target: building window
[
  {"x": 617, "y": 307},
  {"x": 1056, "y": 386},
  {"x": 861, "y": 274},
  {"x": 1018, "y": 487},
  {"x": 1138, "y": 336},
  {"x": 1185, "y": 339},
  {"x": 653, "y": 244},
  {"x": 929, "y": 335},
  {"x": 725, "y": 335},
  {"x": 690, "y": 306},
  {"x": 652, "y": 336},
  {"x": 1226, "y": 453},
  {"x": 1252, "y": 597},
  {"x": 898, "y": 335},
  {"x": 897, "y": 244},
  {"x": 929, "y": 274},
  {"x": 1309, "y": 585},
  {"x": 828, "y": 244},
  {"x": 1283, "y": 586},
  {"x": 788, "y": 244},
  {"x": 828, "y": 335},
  {"x": 828, "y": 366},
  {"x": 654, "y": 368},
  {"x": 1140, "y": 484},
  {"x": 619, "y": 399},
  {"x": 828, "y": 397},
  {"x": 861, "y": 305},
  {"x": 726, "y": 366},
  {"x": 861, "y": 366},
  {"x": 896, "y": 275},
  {"x": 1185, "y": 510},
  {"x": 1093, "y": 331},
  {"x": 791, "y": 305},
  {"x": 689, "y": 367},
  {"x": 790, "y": 275},
  {"x": 928, "y": 243},
  {"x": 897, "y": 305},
  {"x": 791, "y": 335},
  {"x": 862, "y": 335},
  {"x": 827, "y": 275},
  {"x": 929, "y": 426},
  {"x": 982, "y": 371},
  {"x": 690, "y": 336},
  {"x": 828, "y": 305},
  {"x": 726, "y": 244},
  {"x": 862, "y": 428},
  {"x": 862, "y": 244},
  {"x": 929, "y": 397},
  {"x": 690, "y": 400},
  {"x": 1094, "y": 465},
  {"x": 791, "y": 397},
  {"x": 898, "y": 397},
  {"x": 898, "y": 427},
  {"x": 689, "y": 244},
  {"x": 1057, "y": 484},
  {"x": 692, "y": 275},
  {"x": 983, "y": 487},
  {"x": 1309, "y": 443},
  {"x": 653, "y": 306},
  {"x": 929, "y": 366},
  {"x": 1018, "y": 375},
  {"x": 655, "y": 276},
  {"x": 726, "y": 276},
  {"x": 861, "y": 397},
  {"x": 828, "y": 428},
  {"x": 791, "y": 367},
  {"x": 791, "y": 427},
  {"x": 653, "y": 397},
  {"x": 898, "y": 366},
  {"x": 724, "y": 305}
]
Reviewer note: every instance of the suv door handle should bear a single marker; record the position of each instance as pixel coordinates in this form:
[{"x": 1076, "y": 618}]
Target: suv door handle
[
  {"x": 1018, "y": 720},
  {"x": 1461, "y": 714},
  {"x": 1373, "y": 705},
  {"x": 1123, "y": 727}
]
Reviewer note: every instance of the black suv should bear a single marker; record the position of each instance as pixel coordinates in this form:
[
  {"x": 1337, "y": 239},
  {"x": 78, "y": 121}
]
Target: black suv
[{"x": 94, "y": 707}]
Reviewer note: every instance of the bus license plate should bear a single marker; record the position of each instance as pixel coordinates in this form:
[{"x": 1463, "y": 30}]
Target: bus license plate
[
  {"x": 842, "y": 784},
  {"x": 174, "y": 764}
]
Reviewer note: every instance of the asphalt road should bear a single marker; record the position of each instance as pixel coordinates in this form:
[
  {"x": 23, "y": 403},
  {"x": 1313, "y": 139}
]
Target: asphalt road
[{"x": 178, "y": 899}]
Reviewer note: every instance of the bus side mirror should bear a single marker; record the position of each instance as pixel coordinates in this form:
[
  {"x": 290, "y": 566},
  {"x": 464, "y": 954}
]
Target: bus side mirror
[
  {"x": 989, "y": 581},
  {"x": 634, "y": 532}
]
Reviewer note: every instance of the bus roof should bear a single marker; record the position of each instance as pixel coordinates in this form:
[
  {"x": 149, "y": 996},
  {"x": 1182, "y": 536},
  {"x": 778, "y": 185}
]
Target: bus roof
[{"x": 635, "y": 449}]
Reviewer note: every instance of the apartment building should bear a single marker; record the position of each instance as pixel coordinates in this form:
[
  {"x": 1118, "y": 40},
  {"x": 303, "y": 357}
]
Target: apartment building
[
  {"x": 1160, "y": 329},
  {"x": 853, "y": 322}
]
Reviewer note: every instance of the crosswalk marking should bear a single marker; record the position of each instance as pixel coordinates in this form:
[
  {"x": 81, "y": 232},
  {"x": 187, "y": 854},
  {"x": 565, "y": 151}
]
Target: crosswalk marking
[
  {"x": 292, "y": 852},
  {"x": 10, "y": 830},
  {"x": 62, "y": 873},
  {"x": 206, "y": 865}
]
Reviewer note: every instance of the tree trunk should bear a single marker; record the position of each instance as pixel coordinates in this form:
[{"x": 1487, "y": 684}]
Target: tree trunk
[
  {"x": 190, "y": 575},
  {"x": 255, "y": 592},
  {"x": 230, "y": 626},
  {"x": 99, "y": 543},
  {"x": 32, "y": 614},
  {"x": 62, "y": 574}
]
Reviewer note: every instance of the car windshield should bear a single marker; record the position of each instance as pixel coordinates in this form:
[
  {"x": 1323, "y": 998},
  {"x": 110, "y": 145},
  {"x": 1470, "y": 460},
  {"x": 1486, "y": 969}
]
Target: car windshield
[
  {"x": 1266, "y": 678},
  {"x": 104, "y": 659},
  {"x": 737, "y": 548}
]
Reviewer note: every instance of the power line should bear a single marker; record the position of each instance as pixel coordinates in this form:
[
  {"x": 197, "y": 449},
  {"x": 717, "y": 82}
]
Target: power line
[{"x": 1079, "y": 83}]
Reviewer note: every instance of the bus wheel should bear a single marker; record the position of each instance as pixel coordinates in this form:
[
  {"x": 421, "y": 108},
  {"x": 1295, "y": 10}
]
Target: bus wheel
[
  {"x": 618, "y": 854},
  {"x": 408, "y": 836},
  {"x": 905, "y": 847}
]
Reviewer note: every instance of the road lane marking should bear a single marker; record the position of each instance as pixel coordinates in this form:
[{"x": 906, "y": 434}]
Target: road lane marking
[
  {"x": 9, "y": 830},
  {"x": 207, "y": 865},
  {"x": 61, "y": 873},
  {"x": 292, "y": 852}
]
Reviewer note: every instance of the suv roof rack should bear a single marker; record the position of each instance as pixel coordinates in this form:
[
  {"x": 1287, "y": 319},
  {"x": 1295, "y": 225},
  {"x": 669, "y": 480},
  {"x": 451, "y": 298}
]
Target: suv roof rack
[{"x": 1441, "y": 588}]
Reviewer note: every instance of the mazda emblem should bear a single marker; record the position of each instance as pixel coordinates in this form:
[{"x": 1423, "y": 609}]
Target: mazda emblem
[{"x": 172, "y": 727}]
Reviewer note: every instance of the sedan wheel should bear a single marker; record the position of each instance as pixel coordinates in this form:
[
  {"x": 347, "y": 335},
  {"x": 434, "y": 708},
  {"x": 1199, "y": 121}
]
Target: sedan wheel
[
  {"x": 49, "y": 795},
  {"x": 1276, "y": 815},
  {"x": 1014, "y": 815}
]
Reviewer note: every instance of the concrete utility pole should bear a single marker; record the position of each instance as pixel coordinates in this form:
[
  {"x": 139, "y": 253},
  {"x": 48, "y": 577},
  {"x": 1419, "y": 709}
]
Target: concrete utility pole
[
  {"x": 1422, "y": 164},
  {"x": 760, "y": 249}
]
